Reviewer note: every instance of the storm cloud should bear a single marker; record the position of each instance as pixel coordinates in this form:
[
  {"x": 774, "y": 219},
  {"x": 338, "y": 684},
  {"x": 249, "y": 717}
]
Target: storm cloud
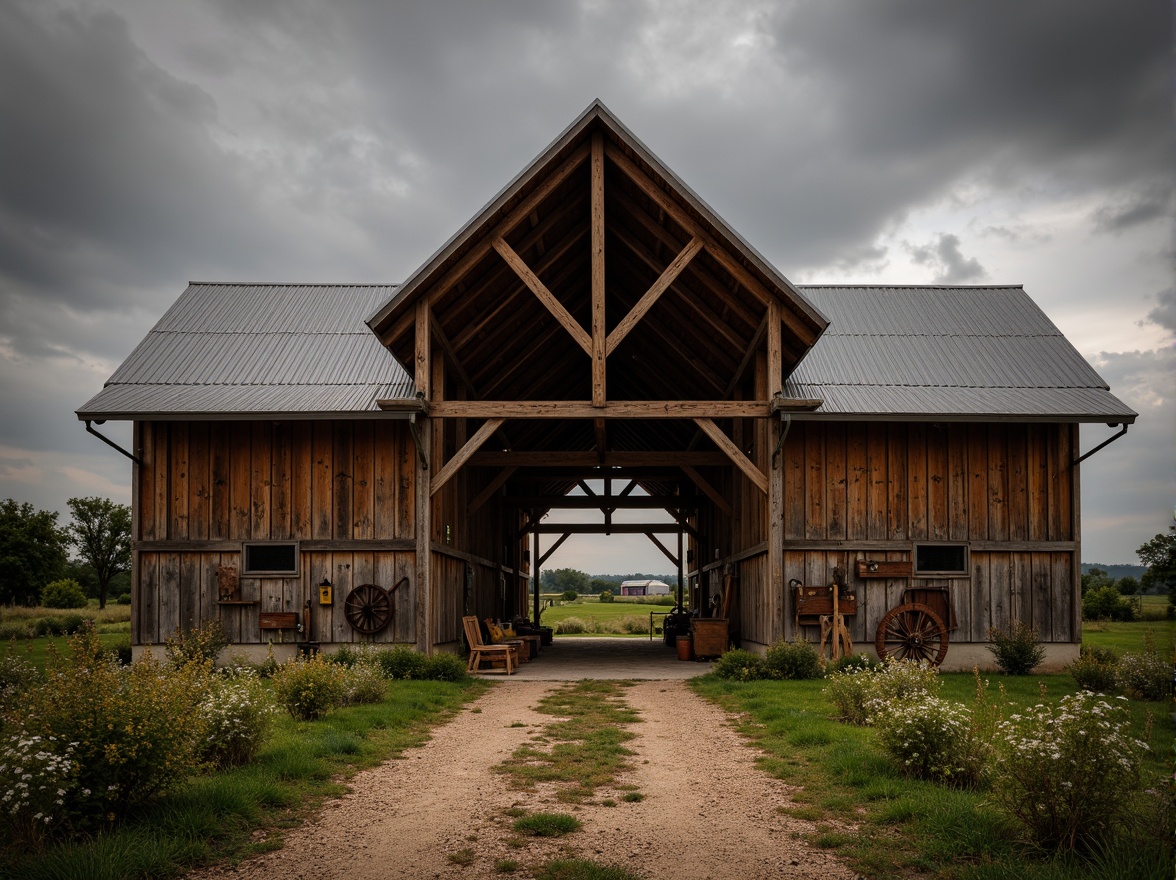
[{"x": 147, "y": 143}]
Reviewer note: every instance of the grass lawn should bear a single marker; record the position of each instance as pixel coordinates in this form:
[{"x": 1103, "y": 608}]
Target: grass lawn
[
  {"x": 233, "y": 814},
  {"x": 589, "y": 608},
  {"x": 907, "y": 826},
  {"x": 1124, "y": 637}
]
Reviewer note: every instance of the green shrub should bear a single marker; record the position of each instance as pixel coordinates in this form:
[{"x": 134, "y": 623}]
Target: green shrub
[
  {"x": 203, "y": 643},
  {"x": 309, "y": 688},
  {"x": 16, "y": 629},
  {"x": 117, "y": 726},
  {"x": 363, "y": 683},
  {"x": 71, "y": 623},
  {"x": 236, "y": 714},
  {"x": 793, "y": 660},
  {"x": 400, "y": 663},
  {"x": 65, "y": 593},
  {"x": 606, "y": 596},
  {"x": 444, "y": 667},
  {"x": 930, "y": 738},
  {"x": 1067, "y": 774},
  {"x": 740, "y": 665},
  {"x": 1106, "y": 603},
  {"x": 852, "y": 690},
  {"x": 1144, "y": 675},
  {"x": 572, "y": 626},
  {"x": 1096, "y": 670},
  {"x": 120, "y": 650},
  {"x": 1017, "y": 650},
  {"x": 124, "y": 599},
  {"x": 569, "y": 595},
  {"x": 48, "y": 626},
  {"x": 634, "y": 624},
  {"x": 16, "y": 676}
]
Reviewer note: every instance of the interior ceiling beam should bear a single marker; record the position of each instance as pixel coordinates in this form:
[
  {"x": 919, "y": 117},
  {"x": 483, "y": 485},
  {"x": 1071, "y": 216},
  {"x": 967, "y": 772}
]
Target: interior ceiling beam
[
  {"x": 545, "y": 528},
  {"x": 493, "y": 486},
  {"x": 741, "y": 461},
  {"x": 651, "y": 296},
  {"x": 617, "y": 409},
  {"x": 589, "y": 462},
  {"x": 561, "y": 314},
  {"x": 463, "y": 455},
  {"x": 662, "y": 547},
  {"x": 602, "y": 502},
  {"x": 750, "y": 283},
  {"x": 707, "y": 489}
]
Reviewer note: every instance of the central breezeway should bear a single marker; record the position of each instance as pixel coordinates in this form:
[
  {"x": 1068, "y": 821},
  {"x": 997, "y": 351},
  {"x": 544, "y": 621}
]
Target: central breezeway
[{"x": 571, "y": 659}]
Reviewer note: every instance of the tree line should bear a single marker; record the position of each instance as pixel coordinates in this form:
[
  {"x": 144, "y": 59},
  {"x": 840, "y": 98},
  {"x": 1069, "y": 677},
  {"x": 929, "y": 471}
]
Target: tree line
[
  {"x": 563, "y": 580},
  {"x": 35, "y": 551}
]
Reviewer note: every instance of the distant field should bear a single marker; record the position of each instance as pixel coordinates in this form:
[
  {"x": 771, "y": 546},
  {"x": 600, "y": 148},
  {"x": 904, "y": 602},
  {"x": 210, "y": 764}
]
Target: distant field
[
  {"x": 590, "y": 608},
  {"x": 1123, "y": 637}
]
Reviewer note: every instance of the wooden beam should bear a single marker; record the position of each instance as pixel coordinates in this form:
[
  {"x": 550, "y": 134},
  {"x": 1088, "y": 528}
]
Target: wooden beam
[
  {"x": 615, "y": 409},
  {"x": 662, "y": 547},
  {"x": 741, "y": 274},
  {"x": 652, "y": 295},
  {"x": 454, "y": 464},
  {"x": 589, "y": 460},
  {"x": 493, "y": 486},
  {"x": 413, "y": 405},
  {"x": 562, "y": 315},
  {"x": 422, "y": 356},
  {"x": 553, "y": 548},
  {"x": 734, "y": 453},
  {"x": 451, "y": 354},
  {"x": 604, "y": 529},
  {"x": 600, "y": 502},
  {"x": 422, "y": 527},
  {"x": 707, "y": 489},
  {"x": 598, "y": 351},
  {"x": 775, "y": 355}
]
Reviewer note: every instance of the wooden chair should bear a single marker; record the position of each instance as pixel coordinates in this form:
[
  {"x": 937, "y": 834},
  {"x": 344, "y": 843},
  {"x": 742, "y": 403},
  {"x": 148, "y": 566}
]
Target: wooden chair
[{"x": 481, "y": 653}]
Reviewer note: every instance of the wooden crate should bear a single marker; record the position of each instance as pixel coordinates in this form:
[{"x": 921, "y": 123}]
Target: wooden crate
[{"x": 710, "y": 636}]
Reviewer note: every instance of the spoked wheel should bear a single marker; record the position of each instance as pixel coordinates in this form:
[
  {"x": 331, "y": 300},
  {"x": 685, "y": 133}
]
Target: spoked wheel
[
  {"x": 912, "y": 632},
  {"x": 368, "y": 608}
]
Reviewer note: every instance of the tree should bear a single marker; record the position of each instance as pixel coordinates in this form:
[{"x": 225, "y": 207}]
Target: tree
[
  {"x": 32, "y": 551},
  {"x": 101, "y": 532},
  {"x": 599, "y": 585},
  {"x": 561, "y": 580},
  {"x": 1159, "y": 555}
]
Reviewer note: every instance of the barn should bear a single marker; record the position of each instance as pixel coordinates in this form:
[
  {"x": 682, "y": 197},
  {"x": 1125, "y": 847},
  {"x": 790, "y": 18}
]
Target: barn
[{"x": 326, "y": 464}]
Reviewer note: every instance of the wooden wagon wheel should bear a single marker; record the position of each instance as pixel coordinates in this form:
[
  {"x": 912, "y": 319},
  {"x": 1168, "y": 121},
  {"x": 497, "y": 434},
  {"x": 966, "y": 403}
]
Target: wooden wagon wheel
[
  {"x": 368, "y": 608},
  {"x": 912, "y": 632}
]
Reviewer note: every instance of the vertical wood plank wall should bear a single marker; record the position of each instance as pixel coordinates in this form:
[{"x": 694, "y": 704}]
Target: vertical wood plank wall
[
  {"x": 873, "y": 489},
  {"x": 205, "y": 487}
]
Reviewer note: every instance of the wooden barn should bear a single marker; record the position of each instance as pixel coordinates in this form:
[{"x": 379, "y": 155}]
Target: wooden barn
[{"x": 334, "y": 464}]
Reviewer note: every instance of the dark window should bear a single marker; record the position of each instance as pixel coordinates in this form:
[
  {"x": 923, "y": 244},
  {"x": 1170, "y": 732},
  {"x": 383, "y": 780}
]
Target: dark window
[
  {"x": 941, "y": 558},
  {"x": 277, "y": 558}
]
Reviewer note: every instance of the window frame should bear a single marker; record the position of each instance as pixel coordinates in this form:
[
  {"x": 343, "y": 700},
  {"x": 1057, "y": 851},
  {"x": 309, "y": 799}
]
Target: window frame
[
  {"x": 246, "y": 571},
  {"x": 964, "y": 571}
]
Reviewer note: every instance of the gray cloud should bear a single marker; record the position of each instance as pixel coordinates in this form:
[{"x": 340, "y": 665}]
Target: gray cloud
[
  {"x": 149, "y": 142},
  {"x": 1164, "y": 313},
  {"x": 944, "y": 256}
]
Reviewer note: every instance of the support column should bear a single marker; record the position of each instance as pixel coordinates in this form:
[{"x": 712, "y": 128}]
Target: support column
[
  {"x": 778, "y": 599},
  {"x": 423, "y": 501}
]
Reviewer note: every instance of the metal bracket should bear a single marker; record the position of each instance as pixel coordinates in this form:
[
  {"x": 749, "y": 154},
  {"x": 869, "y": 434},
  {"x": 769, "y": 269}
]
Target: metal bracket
[
  {"x": 786, "y": 420},
  {"x": 416, "y": 439},
  {"x": 1106, "y": 442},
  {"x": 111, "y": 443}
]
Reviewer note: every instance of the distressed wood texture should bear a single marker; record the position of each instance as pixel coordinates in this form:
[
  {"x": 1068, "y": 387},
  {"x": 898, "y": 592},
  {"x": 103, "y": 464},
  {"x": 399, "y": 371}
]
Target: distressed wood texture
[
  {"x": 874, "y": 490},
  {"x": 204, "y": 484}
]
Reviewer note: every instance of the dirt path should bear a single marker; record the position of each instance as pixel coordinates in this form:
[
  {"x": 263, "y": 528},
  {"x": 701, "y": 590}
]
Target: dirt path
[{"x": 707, "y": 812}]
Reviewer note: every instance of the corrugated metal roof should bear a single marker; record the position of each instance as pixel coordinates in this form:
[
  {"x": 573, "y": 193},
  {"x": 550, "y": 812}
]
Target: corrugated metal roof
[
  {"x": 947, "y": 352},
  {"x": 889, "y": 352},
  {"x": 245, "y": 349}
]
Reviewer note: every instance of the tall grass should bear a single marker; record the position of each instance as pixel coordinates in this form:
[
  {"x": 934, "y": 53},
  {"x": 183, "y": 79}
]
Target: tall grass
[
  {"x": 234, "y": 813},
  {"x": 910, "y": 826}
]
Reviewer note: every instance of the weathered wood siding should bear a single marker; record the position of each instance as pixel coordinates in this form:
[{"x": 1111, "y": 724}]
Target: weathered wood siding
[
  {"x": 874, "y": 490},
  {"x": 342, "y": 489}
]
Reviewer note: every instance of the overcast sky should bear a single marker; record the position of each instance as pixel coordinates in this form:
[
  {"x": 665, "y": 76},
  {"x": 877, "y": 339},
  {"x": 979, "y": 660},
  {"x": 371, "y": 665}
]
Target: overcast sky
[{"x": 146, "y": 143}]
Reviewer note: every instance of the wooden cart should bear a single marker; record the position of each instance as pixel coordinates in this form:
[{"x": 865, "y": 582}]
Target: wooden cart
[{"x": 826, "y": 607}]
